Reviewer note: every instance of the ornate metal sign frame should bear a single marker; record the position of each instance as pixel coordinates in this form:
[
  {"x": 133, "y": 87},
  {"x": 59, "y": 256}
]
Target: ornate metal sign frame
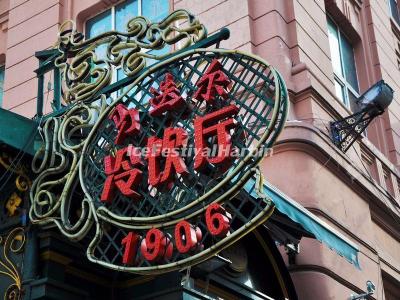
[{"x": 192, "y": 217}]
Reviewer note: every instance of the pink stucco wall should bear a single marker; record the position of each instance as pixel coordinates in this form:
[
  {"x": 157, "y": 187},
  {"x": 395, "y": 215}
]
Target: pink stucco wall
[{"x": 292, "y": 36}]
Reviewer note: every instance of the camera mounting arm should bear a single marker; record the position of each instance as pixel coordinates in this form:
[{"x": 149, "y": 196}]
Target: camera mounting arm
[{"x": 372, "y": 103}]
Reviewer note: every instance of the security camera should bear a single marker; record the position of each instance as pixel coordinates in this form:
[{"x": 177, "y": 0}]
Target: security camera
[
  {"x": 376, "y": 99},
  {"x": 370, "y": 291},
  {"x": 370, "y": 287},
  {"x": 345, "y": 131}
]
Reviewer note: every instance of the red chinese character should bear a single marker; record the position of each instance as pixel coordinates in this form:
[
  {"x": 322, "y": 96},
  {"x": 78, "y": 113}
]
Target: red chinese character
[
  {"x": 121, "y": 173},
  {"x": 208, "y": 126},
  {"x": 126, "y": 121},
  {"x": 169, "y": 98},
  {"x": 212, "y": 83},
  {"x": 173, "y": 139}
]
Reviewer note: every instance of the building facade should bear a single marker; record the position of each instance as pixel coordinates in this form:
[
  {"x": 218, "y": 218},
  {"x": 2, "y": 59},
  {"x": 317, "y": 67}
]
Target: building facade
[{"x": 329, "y": 53}]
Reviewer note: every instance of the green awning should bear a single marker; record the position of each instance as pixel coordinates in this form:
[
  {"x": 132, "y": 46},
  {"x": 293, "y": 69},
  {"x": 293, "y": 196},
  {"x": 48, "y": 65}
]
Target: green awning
[
  {"x": 17, "y": 131},
  {"x": 311, "y": 223}
]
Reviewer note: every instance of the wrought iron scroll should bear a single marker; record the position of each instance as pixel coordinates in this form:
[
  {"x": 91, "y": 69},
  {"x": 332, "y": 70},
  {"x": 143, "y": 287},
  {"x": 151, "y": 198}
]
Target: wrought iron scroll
[
  {"x": 13, "y": 214},
  {"x": 16, "y": 194},
  {"x": 70, "y": 164},
  {"x": 12, "y": 245},
  {"x": 57, "y": 165},
  {"x": 346, "y": 131},
  {"x": 85, "y": 74}
]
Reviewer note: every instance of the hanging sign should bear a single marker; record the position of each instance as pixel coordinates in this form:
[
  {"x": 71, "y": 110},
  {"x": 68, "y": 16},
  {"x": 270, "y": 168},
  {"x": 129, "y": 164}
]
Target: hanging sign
[{"x": 162, "y": 167}]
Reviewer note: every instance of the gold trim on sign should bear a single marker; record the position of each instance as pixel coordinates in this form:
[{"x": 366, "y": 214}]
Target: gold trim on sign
[{"x": 12, "y": 243}]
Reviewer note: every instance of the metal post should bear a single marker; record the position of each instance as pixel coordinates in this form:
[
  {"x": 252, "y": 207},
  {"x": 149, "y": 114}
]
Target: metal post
[
  {"x": 57, "y": 89},
  {"x": 39, "y": 105}
]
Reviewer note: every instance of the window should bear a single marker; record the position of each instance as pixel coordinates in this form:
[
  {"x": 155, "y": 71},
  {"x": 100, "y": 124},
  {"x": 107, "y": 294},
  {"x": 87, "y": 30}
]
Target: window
[
  {"x": 369, "y": 163},
  {"x": 344, "y": 66},
  {"x": 388, "y": 181},
  {"x": 2, "y": 71},
  {"x": 391, "y": 286},
  {"x": 396, "y": 33},
  {"x": 394, "y": 10},
  {"x": 398, "y": 53},
  {"x": 118, "y": 16}
]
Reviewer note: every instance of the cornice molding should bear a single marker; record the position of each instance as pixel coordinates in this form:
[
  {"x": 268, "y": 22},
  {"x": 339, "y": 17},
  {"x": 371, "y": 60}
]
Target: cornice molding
[
  {"x": 332, "y": 110},
  {"x": 381, "y": 221},
  {"x": 109, "y": 2},
  {"x": 343, "y": 15},
  {"x": 317, "y": 145},
  {"x": 321, "y": 213},
  {"x": 4, "y": 21},
  {"x": 319, "y": 269}
]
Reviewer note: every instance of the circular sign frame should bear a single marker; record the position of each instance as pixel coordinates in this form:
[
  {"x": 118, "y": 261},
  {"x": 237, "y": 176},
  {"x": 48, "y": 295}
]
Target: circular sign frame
[
  {"x": 150, "y": 213},
  {"x": 103, "y": 215}
]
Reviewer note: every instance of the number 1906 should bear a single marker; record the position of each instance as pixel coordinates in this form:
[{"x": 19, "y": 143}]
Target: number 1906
[{"x": 156, "y": 246}]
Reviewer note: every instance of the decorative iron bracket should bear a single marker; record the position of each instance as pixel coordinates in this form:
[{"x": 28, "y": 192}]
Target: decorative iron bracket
[
  {"x": 370, "y": 291},
  {"x": 346, "y": 131},
  {"x": 371, "y": 104}
]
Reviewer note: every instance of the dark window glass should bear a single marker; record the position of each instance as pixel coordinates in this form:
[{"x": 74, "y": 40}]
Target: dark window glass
[
  {"x": 353, "y": 101},
  {"x": 349, "y": 64},
  {"x": 344, "y": 65},
  {"x": 394, "y": 10},
  {"x": 2, "y": 71}
]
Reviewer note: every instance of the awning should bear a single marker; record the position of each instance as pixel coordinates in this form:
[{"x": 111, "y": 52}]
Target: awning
[
  {"x": 17, "y": 131},
  {"x": 308, "y": 221}
]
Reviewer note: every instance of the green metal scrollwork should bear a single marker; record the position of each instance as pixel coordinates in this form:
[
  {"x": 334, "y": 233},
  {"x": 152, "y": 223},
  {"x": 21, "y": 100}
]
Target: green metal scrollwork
[{"x": 59, "y": 157}]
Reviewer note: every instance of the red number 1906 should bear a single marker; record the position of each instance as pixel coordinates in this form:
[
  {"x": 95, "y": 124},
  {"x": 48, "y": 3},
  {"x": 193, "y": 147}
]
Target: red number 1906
[{"x": 158, "y": 247}]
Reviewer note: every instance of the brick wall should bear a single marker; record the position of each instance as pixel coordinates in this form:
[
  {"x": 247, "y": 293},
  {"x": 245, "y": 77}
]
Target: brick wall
[{"x": 32, "y": 26}]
